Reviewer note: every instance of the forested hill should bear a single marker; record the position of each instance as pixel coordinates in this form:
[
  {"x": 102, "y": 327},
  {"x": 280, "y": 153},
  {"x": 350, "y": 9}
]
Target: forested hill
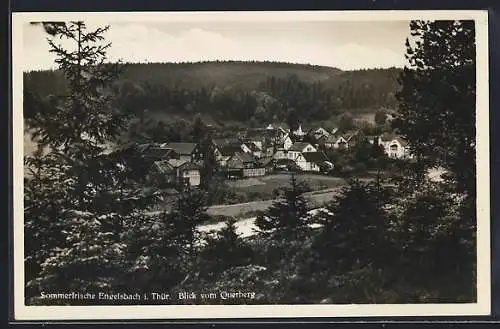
[{"x": 242, "y": 91}]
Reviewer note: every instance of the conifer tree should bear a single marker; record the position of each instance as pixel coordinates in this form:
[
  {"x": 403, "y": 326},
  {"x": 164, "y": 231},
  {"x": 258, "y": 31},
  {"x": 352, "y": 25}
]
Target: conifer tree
[
  {"x": 438, "y": 95},
  {"x": 78, "y": 193},
  {"x": 353, "y": 226},
  {"x": 287, "y": 217}
]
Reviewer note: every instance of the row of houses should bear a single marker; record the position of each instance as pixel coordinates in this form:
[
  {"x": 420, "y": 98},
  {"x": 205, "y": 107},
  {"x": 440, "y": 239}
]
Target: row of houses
[{"x": 257, "y": 152}]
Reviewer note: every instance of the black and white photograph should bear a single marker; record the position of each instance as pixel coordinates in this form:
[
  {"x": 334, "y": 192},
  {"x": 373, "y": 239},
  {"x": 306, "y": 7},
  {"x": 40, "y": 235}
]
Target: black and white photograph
[{"x": 236, "y": 164}]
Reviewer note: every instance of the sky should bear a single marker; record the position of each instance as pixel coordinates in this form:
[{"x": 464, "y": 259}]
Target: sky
[{"x": 346, "y": 45}]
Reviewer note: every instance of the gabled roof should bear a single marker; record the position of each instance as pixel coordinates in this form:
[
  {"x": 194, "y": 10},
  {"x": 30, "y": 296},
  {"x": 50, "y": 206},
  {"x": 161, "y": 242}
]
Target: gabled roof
[
  {"x": 156, "y": 152},
  {"x": 163, "y": 166},
  {"x": 176, "y": 163},
  {"x": 315, "y": 157},
  {"x": 241, "y": 158},
  {"x": 182, "y": 148},
  {"x": 320, "y": 131},
  {"x": 348, "y": 135},
  {"x": 299, "y": 146}
]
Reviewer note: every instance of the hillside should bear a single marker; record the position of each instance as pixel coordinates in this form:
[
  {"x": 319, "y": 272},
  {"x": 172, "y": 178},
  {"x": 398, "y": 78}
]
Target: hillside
[
  {"x": 228, "y": 74},
  {"x": 250, "y": 93}
]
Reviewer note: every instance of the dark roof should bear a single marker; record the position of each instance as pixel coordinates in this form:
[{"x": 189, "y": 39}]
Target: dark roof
[
  {"x": 298, "y": 146},
  {"x": 315, "y": 157},
  {"x": 182, "y": 148},
  {"x": 156, "y": 152},
  {"x": 242, "y": 157},
  {"x": 228, "y": 150}
]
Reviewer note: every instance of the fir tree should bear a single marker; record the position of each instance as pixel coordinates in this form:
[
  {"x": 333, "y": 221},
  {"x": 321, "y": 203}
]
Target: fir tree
[
  {"x": 353, "y": 227},
  {"x": 287, "y": 217},
  {"x": 438, "y": 95},
  {"x": 78, "y": 193}
]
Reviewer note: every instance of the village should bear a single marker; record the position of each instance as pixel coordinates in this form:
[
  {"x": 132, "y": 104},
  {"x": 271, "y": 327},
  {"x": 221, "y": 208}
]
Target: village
[{"x": 262, "y": 151}]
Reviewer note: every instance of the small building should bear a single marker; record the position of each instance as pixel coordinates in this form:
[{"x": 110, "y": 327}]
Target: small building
[
  {"x": 244, "y": 164},
  {"x": 298, "y": 148},
  {"x": 346, "y": 140},
  {"x": 396, "y": 148},
  {"x": 252, "y": 148},
  {"x": 319, "y": 133},
  {"x": 188, "y": 173},
  {"x": 183, "y": 151},
  {"x": 312, "y": 161},
  {"x": 226, "y": 152},
  {"x": 162, "y": 173}
]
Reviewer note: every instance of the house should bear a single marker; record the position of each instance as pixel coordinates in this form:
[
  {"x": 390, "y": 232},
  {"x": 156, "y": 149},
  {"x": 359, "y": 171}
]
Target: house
[
  {"x": 175, "y": 172},
  {"x": 319, "y": 133},
  {"x": 298, "y": 148},
  {"x": 346, "y": 140},
  {"x": 244, "y": 164},
  {"x": 286, "y": 142},
  {"x": 329, "y": 142},
  {"x": 252, "y": 148},
  {"x": 188, "y": 173},
  {"x": 183, "y": 151},
  {"x": 162, "y": 173},
  {"x": 312, "y": 161},
  {"x": 227, "y": 151},
  {"x": 396, "y": 147}
]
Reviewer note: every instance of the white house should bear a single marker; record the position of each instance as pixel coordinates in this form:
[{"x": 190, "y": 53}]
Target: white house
[
  {"x": 299, "y": 148},
  {"x": 311, "y": 161},
  {"x": 287, "y": 142},
  {"x": 396, "y": 148},
  {"x": 320, "y": 132}
]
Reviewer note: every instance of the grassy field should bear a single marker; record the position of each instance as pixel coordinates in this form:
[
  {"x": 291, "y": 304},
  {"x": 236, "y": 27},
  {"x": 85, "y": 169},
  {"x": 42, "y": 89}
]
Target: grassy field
[{"x": 267, "y": 184}]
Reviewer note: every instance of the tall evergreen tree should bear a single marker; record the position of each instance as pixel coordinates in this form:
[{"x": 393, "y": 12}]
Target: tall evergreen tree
[
  {"x": 78, "y": 194},
  {"x": 353, "y": 227},
  {"x": 287, "y": 217},
  {"x": 438, "y": 95}
]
